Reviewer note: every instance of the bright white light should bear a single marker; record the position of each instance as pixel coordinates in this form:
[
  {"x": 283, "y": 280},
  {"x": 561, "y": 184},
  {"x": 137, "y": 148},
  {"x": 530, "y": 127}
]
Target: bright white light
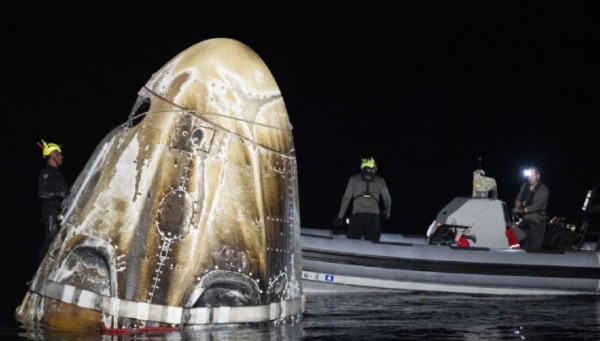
[{"x": 527, "y": 172}]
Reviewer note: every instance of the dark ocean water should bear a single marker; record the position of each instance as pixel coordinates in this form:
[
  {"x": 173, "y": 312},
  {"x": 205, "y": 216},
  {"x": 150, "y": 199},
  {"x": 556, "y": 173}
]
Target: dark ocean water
[{"x": 391, "y": 315}]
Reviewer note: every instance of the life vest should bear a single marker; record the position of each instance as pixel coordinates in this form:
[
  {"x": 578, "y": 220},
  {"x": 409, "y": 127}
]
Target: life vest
[
  {"x": 528, "y": 194},
  {"x": 367, "y": 194}
]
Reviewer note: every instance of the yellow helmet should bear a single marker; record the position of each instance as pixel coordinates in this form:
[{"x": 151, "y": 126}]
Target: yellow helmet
[
  {"x": 368, "y": 163},
  {"x": 48, "y": 148}
]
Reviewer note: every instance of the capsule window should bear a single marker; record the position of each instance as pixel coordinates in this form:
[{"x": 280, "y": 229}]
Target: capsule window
[
  {"x": 202, "y": 139},
  {"x": 141, "y": 107},
  {"x": 197, "y": 136}
]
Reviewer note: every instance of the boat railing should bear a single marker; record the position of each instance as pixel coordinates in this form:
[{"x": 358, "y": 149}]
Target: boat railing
[
  {"x": 393, "y": 243},
  {"x": 470, "y": 248}
]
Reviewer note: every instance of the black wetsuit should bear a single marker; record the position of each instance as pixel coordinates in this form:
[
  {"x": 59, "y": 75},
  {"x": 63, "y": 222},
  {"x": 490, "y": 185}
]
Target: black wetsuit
[{"x": 52, "y": 187}]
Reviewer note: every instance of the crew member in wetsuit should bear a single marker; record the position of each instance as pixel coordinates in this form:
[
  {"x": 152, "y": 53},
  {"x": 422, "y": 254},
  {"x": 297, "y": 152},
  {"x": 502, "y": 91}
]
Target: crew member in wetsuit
[
  {"x": 364, "y": 189},
  {"x": 531, "y": 203},
  {"x": 52, "y": 188}
]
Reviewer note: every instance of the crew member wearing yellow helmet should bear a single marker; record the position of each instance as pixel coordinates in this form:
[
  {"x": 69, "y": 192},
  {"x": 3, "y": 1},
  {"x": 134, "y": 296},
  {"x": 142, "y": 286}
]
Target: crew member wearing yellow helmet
[
  {"x": 52, "y": 188},
  {"x": 365, "y": 189}
]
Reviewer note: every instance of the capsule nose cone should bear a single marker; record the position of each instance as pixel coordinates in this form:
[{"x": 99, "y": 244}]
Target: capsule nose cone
[{"x": 228, "y": 84}]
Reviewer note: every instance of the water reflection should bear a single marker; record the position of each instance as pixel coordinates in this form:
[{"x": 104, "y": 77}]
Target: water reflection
[
  {"x": 400, "y": 315},
  {"x": 267, "y": 333}
]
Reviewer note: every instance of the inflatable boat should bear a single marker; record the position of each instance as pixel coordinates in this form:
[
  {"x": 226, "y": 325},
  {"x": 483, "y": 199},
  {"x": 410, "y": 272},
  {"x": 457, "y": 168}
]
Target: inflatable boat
[{"x": 569, "y": 263}]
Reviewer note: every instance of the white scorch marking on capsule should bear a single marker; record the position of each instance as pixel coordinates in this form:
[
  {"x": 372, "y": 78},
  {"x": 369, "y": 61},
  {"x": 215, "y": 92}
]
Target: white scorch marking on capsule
[
  {"x": 167, "y": 75},
  {"x": 92, "y": 170},
  {"x": 259, "y": 77}
]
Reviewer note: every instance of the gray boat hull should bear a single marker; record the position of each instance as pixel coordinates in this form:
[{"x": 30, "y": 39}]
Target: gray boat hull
[{"x": 334, "y": 263}]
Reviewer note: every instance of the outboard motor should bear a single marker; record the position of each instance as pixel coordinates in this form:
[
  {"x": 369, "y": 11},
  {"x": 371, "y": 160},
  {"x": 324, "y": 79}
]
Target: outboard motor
[{"x": 560, "y": 235}]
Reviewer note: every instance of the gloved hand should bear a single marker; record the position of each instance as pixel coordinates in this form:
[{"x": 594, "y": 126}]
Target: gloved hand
[
  {"x": 386, "y": 214},
  {"x": 517, "y": 210},
  {"x": 338, "y": 222}
]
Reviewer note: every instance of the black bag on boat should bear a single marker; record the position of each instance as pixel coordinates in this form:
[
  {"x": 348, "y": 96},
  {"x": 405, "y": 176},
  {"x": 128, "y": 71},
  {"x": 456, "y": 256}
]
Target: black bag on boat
[{"x": 443, "y": 235}]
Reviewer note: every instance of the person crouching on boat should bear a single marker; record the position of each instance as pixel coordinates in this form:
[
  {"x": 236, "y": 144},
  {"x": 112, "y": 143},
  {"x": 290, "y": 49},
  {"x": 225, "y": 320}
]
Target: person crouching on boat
[
  {"x": 364, "y": 189},
  {"x": 531, "y": 203}
]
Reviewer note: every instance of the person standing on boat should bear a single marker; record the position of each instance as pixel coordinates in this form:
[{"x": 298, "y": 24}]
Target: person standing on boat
[
  {"x": 52, "y": 188},
  {"x": 365, "y": 189},
  {"x": 531, "y": 204}
]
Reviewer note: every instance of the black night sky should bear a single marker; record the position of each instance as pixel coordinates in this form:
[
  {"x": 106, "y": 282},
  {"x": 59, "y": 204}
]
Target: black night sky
[{"x": 424, "y": 88}]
